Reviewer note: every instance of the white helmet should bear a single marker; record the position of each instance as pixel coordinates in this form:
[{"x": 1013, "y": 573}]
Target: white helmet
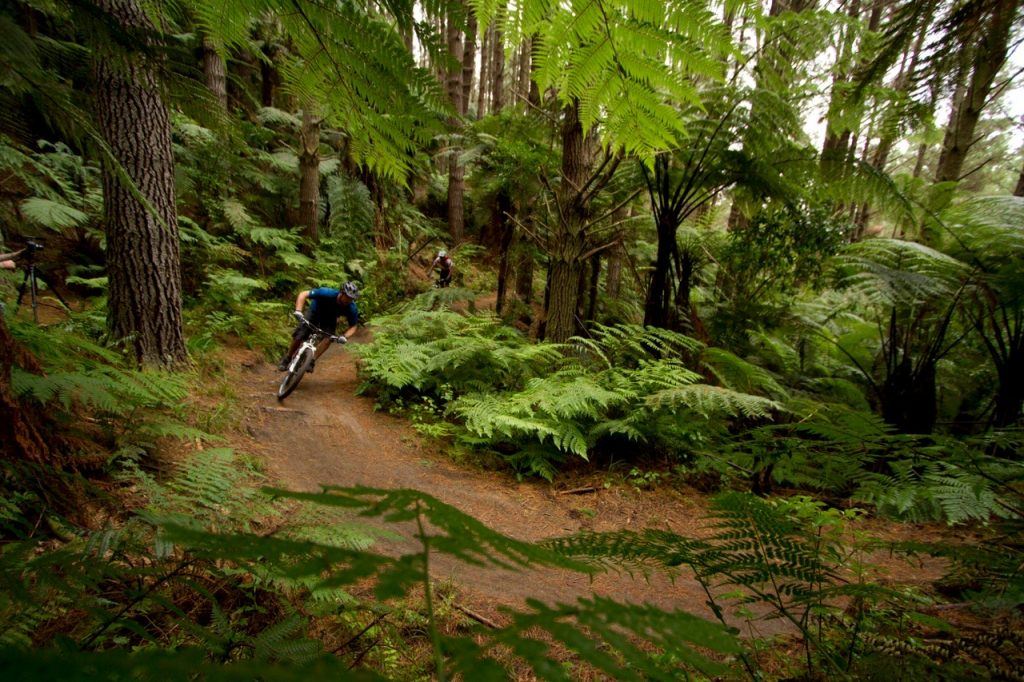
[{"x": 442, "y": 253}]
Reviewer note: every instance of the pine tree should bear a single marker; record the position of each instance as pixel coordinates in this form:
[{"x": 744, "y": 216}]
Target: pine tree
[{"x": 143, "y": 262}]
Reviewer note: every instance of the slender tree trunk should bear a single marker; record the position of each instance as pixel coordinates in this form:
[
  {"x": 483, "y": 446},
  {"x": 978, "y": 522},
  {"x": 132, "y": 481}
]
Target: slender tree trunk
[
  {"x": 456, "y": 173},
  {"x": 613, "y": 278},
  {"x": 524, "y": 273},
  {"x": 269, "y": 77},
  {"x": 497, "y": 71},
  {"x": 214, "y": 73},
  {"x": 485, "y": 75},
  {"x": 143, "y": 261},
  {"x": 309, "y": 175},
  {"x": 592, "y": 292},
  {"x": 468, "y": 62},
  {"x": 506, "y": 229},
  {"x": 989, "y": 58}
]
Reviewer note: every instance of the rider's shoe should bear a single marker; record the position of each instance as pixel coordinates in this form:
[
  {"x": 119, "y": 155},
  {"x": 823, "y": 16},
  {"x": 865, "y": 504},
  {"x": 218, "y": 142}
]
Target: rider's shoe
[{"x": 283, "y": 365}]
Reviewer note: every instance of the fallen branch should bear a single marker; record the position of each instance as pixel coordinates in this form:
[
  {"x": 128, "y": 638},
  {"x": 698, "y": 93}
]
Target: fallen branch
[
  {"x": 483, "y": 620},
  {"x": 578, "y": 491}
]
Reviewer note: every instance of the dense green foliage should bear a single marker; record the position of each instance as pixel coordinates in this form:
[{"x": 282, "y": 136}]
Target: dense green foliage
[{"x": 823, "y": 330}]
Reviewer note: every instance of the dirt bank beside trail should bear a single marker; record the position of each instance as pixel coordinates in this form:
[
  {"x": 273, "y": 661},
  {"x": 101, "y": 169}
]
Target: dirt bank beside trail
[{"x": 323, "y": 434}]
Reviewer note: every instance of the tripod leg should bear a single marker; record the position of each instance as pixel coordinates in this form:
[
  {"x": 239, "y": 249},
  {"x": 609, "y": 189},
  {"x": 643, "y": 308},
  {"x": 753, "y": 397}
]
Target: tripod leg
[
  {"x": 53, "y": 290},
  {"x": 35, "y": 293},
  {"x": 21, "y": 290}
]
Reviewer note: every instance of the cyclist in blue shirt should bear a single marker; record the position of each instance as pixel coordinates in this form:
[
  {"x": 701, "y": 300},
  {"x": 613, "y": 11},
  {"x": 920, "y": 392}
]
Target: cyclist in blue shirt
[{"x": 327, "y": 305}]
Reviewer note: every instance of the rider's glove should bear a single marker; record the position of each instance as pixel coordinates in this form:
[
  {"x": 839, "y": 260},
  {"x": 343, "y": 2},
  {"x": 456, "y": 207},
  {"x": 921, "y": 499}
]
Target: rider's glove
[
  {"x": 298, "y": 315},
  {"x": 342, "y": 339}
]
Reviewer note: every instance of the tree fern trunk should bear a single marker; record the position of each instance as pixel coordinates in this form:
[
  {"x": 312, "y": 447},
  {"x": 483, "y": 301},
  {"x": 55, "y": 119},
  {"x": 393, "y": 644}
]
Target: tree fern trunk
[
  {"x": 143, "y": 262},
  {"x": 309, "y": 175},
  {"x": 659, "y": 296}
]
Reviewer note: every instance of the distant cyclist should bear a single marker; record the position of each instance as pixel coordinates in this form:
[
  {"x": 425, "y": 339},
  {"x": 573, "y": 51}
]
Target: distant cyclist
[
  {"x": 327, "y": 305},
  {"x": 444, "y": 266}
]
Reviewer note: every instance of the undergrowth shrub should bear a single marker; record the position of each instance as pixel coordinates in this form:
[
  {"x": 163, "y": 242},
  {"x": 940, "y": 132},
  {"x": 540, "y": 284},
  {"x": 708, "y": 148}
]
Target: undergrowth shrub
[{"x": 540, "y": 403}]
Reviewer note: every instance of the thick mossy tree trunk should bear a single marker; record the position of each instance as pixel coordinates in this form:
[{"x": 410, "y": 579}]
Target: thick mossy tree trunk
[
  {"x": 214, "y": 73},
  {"x": 568, "y": 241},
  {"x": 143, "y": 261},
  {"x": 309, "y": 175}
]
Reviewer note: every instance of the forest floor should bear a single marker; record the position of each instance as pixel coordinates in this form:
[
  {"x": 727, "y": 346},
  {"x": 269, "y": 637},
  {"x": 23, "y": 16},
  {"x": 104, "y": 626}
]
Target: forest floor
[{"x": 324, "y": 434}]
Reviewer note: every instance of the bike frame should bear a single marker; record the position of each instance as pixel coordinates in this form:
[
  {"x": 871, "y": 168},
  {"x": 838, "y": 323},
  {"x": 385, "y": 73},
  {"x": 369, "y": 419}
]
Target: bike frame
[{"x": 298, "y": 364}]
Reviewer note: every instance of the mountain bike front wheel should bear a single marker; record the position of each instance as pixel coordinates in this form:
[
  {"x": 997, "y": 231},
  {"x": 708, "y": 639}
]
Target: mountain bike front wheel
[{"x": 296, "y": 369}]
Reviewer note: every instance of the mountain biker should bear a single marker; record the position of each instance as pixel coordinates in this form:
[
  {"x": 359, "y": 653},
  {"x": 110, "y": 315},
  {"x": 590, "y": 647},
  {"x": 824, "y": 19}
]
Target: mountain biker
[
  {"x": 444, "y": 266},
  {"x": 327, "y": 305}
]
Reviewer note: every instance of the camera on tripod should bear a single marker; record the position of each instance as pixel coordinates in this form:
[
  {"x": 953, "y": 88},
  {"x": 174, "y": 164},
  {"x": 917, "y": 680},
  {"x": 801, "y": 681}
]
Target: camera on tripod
[{"x": 31, "y": 247}]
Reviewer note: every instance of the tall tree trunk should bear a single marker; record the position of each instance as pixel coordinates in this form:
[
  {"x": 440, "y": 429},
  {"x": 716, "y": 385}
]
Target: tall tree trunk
[
  {"x": 269, "y": 77},
  {"x": 143, "y": 261},
  {"x": 484, "y": 82},
  {"x": 592, "y": 289},
  {"x": 456, "y": 173},
  {"x": 524, "y": 273},
  {"x": 214, "y": 73},
  {"x": 468, "y": 62},
  {"x": 525, "y": 66},
  {"x": 497, "y": 71},
  {"x": 613, "y": 279},
  {"x": 988, "y": 59},
  {"x": 506, "y": 230},
  {"x": 568, "y": 243},
  {"x": 309, "y": 175}
]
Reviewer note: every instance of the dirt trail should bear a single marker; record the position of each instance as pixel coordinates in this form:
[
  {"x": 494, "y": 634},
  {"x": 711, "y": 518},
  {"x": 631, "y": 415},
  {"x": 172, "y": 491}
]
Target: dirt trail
[{"x": 325, "y": 435}]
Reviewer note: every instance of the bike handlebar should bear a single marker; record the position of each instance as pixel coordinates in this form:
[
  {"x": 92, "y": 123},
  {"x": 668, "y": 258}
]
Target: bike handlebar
[{"x": 332, "y": 337}]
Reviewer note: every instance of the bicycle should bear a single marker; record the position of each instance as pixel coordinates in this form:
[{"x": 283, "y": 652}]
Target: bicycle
[{"x": 303, "y": 358}]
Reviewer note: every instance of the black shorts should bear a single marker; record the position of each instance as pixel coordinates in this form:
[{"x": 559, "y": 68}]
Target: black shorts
[{"x": 303, "y": 332}]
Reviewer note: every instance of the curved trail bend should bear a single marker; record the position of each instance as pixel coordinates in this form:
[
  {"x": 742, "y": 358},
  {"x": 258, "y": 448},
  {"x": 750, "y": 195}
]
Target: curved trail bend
[{"x": 324, "y": 434}]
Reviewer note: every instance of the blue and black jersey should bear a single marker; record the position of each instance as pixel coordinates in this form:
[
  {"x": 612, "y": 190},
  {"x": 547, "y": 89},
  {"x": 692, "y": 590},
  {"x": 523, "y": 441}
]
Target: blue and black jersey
[{"x": 325, "y": 310}]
